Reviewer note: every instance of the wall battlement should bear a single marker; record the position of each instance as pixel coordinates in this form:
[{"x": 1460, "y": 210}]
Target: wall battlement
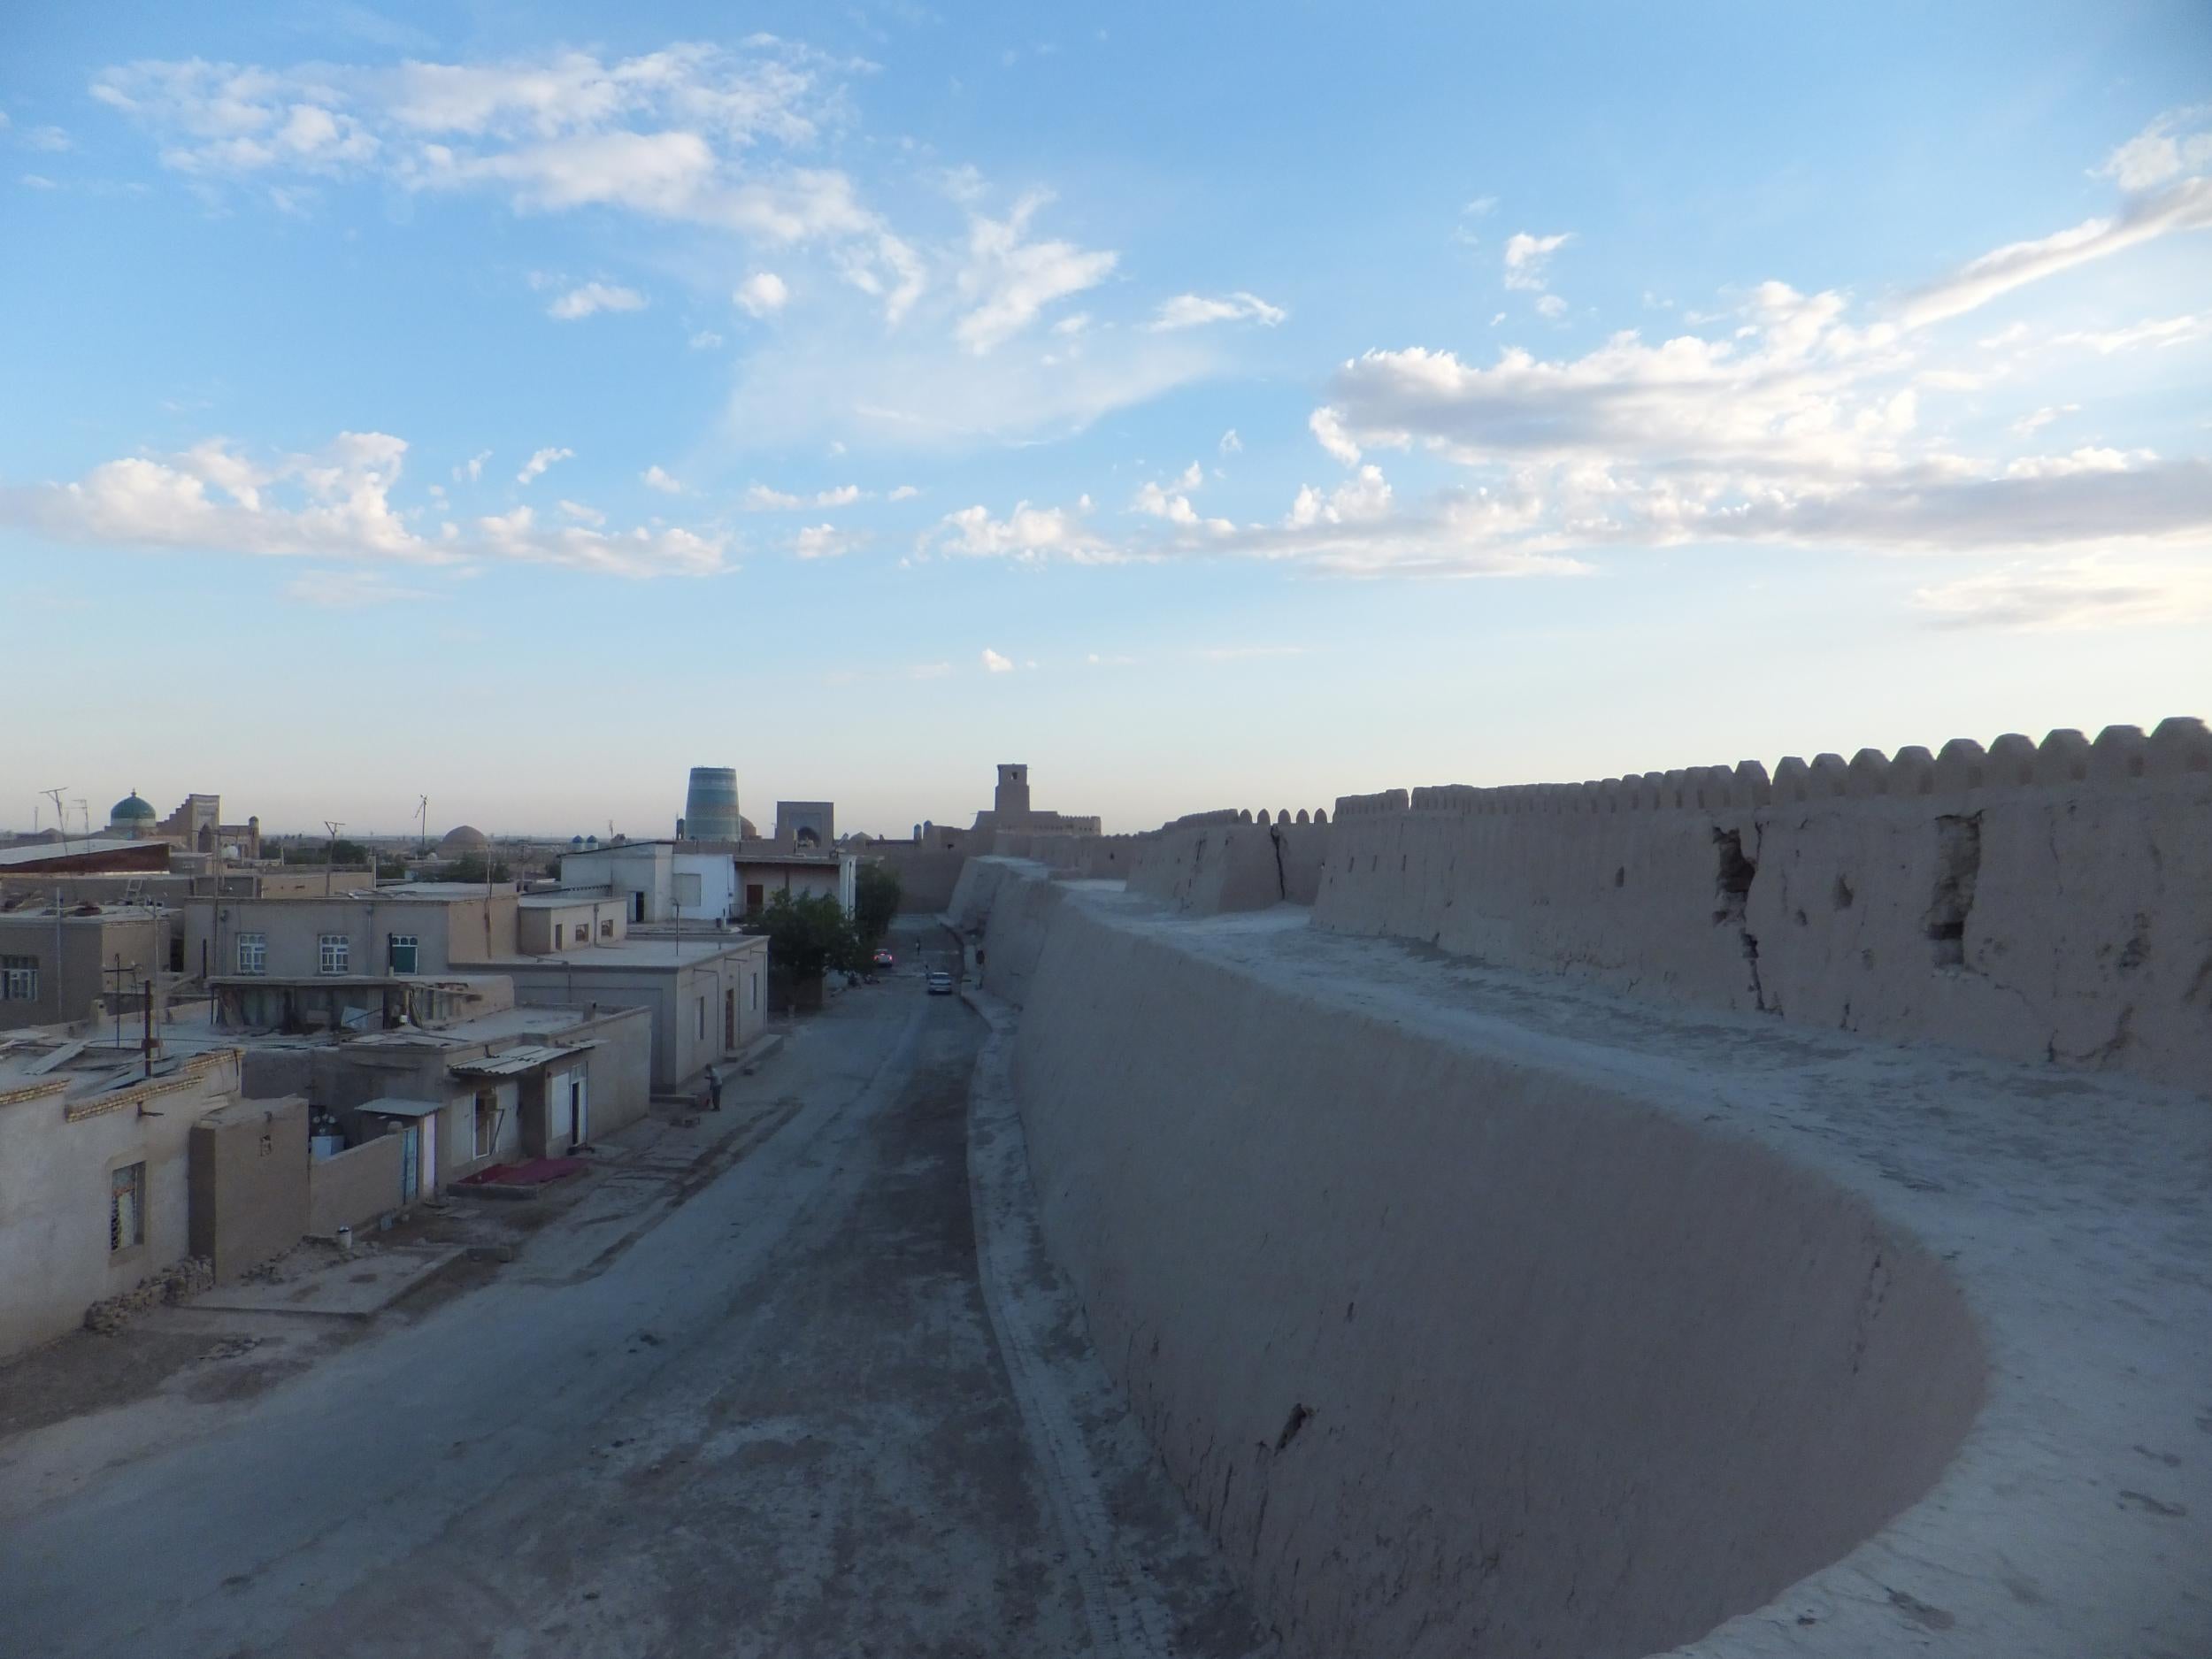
[
  {"x": 2047, "y": 901},
  {"x": 2178, "y": 747}
]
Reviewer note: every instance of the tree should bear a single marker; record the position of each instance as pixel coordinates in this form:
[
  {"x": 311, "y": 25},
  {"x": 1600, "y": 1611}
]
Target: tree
[
  {"x": 875, "y": 901},
  {"x": 470, "y": 867},
  {"x": 808, "y": 935}
]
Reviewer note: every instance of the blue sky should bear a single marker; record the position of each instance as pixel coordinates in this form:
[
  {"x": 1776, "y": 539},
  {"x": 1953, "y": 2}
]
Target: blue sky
[{"x": 1234, "y": 406}]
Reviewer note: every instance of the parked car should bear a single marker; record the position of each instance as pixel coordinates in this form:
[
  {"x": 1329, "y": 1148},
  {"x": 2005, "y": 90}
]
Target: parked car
[
  {"x": 884, "y": 959},
  {"x": 939, "y": 983}
]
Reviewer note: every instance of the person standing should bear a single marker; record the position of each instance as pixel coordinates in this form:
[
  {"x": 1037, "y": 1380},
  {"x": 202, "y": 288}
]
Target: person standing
[{"x": 714, "y": 1088}]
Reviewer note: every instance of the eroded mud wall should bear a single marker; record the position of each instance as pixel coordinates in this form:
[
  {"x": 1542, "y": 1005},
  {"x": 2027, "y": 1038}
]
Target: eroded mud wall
[
  {"x": 2050, "y": 902},
  {"x": 1454, "y": 1354}
]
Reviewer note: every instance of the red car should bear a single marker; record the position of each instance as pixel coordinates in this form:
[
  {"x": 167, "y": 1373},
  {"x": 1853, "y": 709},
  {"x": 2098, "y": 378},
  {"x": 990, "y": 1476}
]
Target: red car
[{"x": 884, "y": 959}]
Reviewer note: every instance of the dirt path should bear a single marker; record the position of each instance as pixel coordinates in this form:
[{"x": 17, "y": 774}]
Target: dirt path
[{"x": 777, "y": 1424}]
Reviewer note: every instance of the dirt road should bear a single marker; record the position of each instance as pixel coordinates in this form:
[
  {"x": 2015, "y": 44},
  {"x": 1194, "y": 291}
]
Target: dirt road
[{"x": 772, "y": 1418}]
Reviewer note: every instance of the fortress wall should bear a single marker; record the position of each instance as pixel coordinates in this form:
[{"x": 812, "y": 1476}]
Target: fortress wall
[
  {"x": 2050, "y": 900},
  {"x": 1452, "y": 1351},
  {"x": 1209, "y": 863},
  {"x": 927, "y": 874}
]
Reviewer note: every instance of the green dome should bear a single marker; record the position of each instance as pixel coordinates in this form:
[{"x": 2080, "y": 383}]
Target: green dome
[{"x": 131, "y": 806}]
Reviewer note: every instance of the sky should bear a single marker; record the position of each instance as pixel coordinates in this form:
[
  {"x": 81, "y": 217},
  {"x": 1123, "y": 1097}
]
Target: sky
[{"x": 1236, "y": 405}]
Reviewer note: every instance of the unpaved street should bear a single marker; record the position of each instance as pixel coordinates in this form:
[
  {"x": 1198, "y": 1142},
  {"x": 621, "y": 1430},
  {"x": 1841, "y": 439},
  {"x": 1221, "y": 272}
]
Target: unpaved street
[{"x": 766, "y": 1413}]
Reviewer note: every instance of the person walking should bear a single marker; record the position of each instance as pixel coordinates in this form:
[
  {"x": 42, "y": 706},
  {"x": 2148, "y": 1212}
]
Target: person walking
[{"x": 714, "y": 1088}]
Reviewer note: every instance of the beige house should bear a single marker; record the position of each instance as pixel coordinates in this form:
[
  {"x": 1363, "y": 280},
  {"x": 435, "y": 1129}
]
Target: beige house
[
  {"x": 59, "y": 966},
  {"x": 95, "y": 1189}
]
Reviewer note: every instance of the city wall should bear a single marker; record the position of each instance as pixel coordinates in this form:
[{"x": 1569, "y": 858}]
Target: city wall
[
  {"x": 1465, "y": 1327},
  {"x": 2048, "y": 901},
  {"x": 1430, "y": 1312}
]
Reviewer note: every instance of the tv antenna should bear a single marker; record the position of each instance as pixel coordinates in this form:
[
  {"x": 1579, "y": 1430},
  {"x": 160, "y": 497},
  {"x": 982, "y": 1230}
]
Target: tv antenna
[
  {"x": 422, "y": 818},
  {"x": 331, "y": 857}
]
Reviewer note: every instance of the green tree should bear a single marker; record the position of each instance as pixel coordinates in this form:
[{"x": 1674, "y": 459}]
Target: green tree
[
  {"x": 875, "y": 901},
  {"x": 808, "y": 935},
  {"x": 470, "y": 867}
]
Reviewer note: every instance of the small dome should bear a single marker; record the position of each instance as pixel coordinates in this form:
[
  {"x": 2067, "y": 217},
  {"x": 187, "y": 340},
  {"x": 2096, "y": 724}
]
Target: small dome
[
  {"x": 576, "y": 843},
  {"x": 132, "y": 807},
  {"x": 466, "y": 838},
  {"x": 745, "y": 830}
]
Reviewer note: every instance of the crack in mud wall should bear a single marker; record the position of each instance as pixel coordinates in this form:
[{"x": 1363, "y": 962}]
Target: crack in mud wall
[{"x": 2049, "y": 902}]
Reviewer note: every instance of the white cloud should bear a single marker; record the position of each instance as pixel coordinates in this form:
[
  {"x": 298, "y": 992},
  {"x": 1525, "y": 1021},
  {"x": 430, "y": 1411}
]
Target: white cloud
[
  {"x": 904, "y": 492},
  {"x": 39, "y": 181},
  {"x": 1011, "y": 278},
  {"x": 50, "y": 139},
  {"x": 692, "y": 133},
  {"x": 2069, "y": 596},
  {"x": 1195, "y": 311},
  {"x": 994, "y": 664},
  {"x": 706, "y": 340},
  {"x": 826, "y": 541},
  {"x": 1327, "y": 427},
  {"x": 763, "y": 294},
  {"x": 2164, "y": 149},
  {"x": 2170, "y": 331},
  {"x": 541, "y": 459},
  {"x": 932, "y": 671},
  {"x": 592, "y": 297},
  {"x": 583, "y": 514},
  {"x": 1528, "y": 258},
  {"x": 348, "y": 590},
  {"x": 335, "y": 502},
  {"x": 1231, "y": 444},
  {"x": 641, "y": 552},
  {"x": 761, "y": 498},
  {"x": 1552, "y": 306},
  {"x": 1027, "y": 534},
  {"x": 2037, "y": 419},
  {"x": 2184, "y": 207},
  {"x": 1172, "y": 502},
  {"x": 1795, "y": 427},
  {"x": 1481, "y": 207},
  {"x": 655, "y": 477},
  {"x": 472, "y": 468},
  {"x": 1069, "y": 326}
]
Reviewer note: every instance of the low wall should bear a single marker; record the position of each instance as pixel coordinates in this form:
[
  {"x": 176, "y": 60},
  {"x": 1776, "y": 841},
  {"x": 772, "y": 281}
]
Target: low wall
[
  {"x": 2047, "y": 902},
  {"x": 354, "y": 1187},
  {"x": 247, "y": 1166}
]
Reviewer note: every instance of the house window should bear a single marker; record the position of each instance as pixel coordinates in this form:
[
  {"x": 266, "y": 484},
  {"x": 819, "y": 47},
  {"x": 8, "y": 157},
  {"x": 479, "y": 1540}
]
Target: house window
[
  {"x": 19, "y": 978},
  {"x": 606, "y": 928},
  {"x": 126, "y": 1207},
  {"x": 253, "y": 953},
  {"x": 487, "y": 1122},
  {"x": 336, "y": 953},
  {"x": 558, "y": 941},
  {"x": 403, "y": 952},
  {"x": 702, "y": 1019}
]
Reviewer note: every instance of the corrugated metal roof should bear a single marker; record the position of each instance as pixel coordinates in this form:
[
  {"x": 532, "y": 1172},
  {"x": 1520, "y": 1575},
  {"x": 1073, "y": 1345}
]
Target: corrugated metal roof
[
  {"x": 392, "y": 1106},
  {"x": 529, "y": 1058}
]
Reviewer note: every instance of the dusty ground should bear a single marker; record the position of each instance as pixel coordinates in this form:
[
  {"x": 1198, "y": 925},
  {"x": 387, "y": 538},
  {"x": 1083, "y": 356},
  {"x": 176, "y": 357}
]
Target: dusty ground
[{"x": 752, "y": 1406}]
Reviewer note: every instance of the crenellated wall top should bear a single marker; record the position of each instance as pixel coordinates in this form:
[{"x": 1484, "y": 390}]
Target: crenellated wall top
[{"x": 2178, "y": 747}]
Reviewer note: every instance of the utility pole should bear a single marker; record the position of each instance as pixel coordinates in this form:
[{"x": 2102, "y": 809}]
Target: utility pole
[{"x": 330, "y": 857}]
